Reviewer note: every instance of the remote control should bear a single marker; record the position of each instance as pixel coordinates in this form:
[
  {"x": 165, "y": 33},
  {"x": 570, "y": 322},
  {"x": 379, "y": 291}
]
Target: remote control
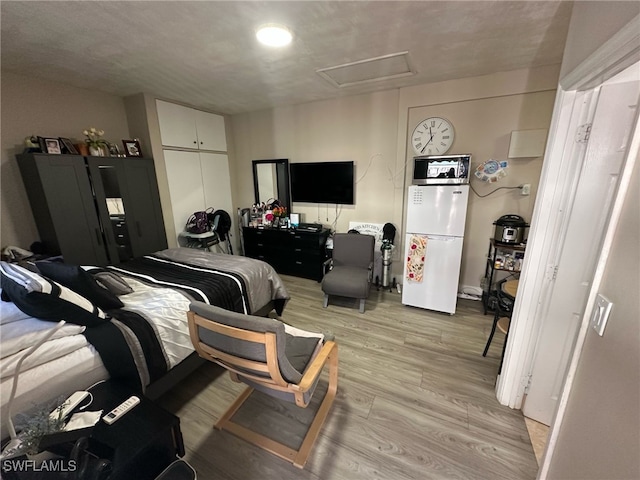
[
  {"x": 68, "y": 405},
  {"x": 120, "y": 410}
]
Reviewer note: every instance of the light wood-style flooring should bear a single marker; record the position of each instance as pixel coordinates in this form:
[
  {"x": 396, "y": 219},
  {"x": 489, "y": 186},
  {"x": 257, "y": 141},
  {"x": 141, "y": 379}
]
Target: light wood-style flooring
[{"x": 415, "y": 400}]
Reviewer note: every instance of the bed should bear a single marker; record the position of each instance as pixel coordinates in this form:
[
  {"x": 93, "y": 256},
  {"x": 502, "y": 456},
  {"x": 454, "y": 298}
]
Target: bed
[{"x": 144, "y": 343}]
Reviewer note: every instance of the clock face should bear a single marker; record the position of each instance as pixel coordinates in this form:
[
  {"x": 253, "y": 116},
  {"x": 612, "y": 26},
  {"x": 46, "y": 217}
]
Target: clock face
[{"x": 432, "y": 136}]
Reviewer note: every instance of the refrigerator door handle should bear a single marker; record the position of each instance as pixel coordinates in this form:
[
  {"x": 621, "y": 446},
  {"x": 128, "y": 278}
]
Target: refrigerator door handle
[{"x": 442, "y": 238}]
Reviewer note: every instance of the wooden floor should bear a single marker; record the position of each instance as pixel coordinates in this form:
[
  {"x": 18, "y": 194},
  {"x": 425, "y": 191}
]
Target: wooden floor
[{"x": 415, "y": 401}]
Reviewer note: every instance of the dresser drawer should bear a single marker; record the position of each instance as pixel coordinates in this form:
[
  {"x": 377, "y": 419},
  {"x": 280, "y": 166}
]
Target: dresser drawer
[{"x": 294, "y": 253}]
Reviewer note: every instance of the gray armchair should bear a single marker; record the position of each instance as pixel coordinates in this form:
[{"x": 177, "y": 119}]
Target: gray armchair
[{"x": 352, "y": 268}]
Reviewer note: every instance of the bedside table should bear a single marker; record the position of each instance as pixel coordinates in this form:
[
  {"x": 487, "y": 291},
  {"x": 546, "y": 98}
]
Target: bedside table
[{"x": 142, "y": 443}]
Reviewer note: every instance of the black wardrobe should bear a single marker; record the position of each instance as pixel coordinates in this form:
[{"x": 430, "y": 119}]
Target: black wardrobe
[{"x": 94, "y": 210}]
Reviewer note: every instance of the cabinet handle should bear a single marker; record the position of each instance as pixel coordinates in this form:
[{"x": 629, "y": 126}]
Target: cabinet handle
[
  {"x": 98, "y": 239},
  {"x": 298, "y": 262},
  {"x": 139, "y": 228},
  {"x": 298, "y": 249},
  {"x": 260, "y": 245},
  {"x": 297, "y": 236}
]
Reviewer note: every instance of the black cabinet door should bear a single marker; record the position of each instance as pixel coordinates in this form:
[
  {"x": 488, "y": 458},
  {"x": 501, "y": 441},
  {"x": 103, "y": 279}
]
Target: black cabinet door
[
  {"x": 147, "y": 233},
  {"x": 63, "y": 207},
  {"x": 129, "y": 204}
]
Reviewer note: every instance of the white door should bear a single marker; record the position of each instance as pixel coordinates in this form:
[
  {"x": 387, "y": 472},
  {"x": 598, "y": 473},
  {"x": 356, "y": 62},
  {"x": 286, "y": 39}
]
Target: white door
[
  {"x": 211, "y": 132},
  {"x": 216, "y": 181},
  {"x": 437, "y": 210},
  {"x": 582, "y": 244},
  {"x": 438, "y": 289},
  {"x": 185, "y": 185},
  {"x": 177, "y": 125}
]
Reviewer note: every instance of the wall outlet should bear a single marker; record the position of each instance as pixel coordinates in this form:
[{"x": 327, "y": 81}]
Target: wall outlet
[{"x": 526, "y": 189}]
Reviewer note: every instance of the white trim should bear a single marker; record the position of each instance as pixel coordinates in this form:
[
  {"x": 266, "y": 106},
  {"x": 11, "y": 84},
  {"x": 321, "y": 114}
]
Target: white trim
[
  {"x": 611, "y": 58},
  {"x": 554, "y": 199},
  {"x": 571, "y": 106},
  {"x": 623, "y": 188}
]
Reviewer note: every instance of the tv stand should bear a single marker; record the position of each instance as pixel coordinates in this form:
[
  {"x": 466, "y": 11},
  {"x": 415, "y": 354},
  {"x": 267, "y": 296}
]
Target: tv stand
[{"x": 290, "y": 252}]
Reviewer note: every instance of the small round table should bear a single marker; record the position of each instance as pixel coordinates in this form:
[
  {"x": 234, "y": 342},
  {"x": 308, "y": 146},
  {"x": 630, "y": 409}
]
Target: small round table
[{"x": 510, "y": 288}]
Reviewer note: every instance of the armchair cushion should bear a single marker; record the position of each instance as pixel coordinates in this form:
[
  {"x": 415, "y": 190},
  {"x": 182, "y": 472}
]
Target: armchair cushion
[{"x": 347, "y": 281}]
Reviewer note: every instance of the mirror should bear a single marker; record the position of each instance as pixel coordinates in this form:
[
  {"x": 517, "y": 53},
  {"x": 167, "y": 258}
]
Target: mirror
[{"x": 271, "y": 181}]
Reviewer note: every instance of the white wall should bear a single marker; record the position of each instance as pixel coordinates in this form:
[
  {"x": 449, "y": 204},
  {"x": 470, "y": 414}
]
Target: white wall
[
  {"x": 592, "y": 24},
  {"x": 360, "y": 128},
  {"x": 31, "y": 106},
  {"x": 373, "y": 130}
]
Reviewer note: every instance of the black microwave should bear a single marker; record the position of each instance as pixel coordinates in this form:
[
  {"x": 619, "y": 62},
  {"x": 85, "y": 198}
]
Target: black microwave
[{"x": 441, "y": 169}]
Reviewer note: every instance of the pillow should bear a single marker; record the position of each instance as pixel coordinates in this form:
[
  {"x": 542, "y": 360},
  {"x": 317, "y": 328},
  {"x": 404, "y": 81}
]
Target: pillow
[
  {"x": 111, "y": 281},
  {"x": 45, "y": 299},
  {"x": 81, "y": 282}
]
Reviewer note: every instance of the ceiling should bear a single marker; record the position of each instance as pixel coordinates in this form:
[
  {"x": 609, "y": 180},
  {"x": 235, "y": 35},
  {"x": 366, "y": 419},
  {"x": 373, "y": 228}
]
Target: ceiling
[{"x": 205, "y": 53}]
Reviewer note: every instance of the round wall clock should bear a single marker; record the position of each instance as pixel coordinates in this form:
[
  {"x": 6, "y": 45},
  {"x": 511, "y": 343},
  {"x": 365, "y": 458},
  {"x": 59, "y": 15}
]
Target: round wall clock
[{"x": 432, "y": 136}]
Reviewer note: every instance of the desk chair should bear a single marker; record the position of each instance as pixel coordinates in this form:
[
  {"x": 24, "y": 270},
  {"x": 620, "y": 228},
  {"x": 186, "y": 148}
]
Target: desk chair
[
  {"x": 501, "y": 320},
  {"x": 351, "y": 268},
  {"x": 269, "y": 356}
]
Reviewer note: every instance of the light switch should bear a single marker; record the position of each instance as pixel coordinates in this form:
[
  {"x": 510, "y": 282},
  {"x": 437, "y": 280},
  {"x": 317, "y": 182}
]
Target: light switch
[{"x": 600, "y": 314}]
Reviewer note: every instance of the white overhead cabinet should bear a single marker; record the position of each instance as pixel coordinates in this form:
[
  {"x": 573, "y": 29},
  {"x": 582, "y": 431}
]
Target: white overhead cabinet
[
  {"x": 198, "y": 175},
  {"x": 184, "y": 127}
]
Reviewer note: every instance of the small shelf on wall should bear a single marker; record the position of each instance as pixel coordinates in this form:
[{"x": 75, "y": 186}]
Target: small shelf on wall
[{"x": 527, "y": 143}]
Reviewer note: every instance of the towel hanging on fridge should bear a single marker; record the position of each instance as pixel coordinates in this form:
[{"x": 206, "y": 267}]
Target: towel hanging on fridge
[{"x": 416, "y": 258}]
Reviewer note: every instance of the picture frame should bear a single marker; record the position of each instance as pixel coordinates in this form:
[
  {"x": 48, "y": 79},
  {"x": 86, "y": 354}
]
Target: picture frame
[
  {"x": 68, "y": 146},
  {"x": 132, "y": 148},
  {"x": 51, "y": 145},
  {"x": 114, "y": 151}
]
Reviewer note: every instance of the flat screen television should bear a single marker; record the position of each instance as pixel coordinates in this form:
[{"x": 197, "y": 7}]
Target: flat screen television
[{"x": 322, "y": 182}]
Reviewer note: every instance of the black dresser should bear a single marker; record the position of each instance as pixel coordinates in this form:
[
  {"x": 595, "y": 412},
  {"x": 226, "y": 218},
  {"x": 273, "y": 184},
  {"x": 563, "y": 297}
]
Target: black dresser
[{"x": 290, "y": 252}]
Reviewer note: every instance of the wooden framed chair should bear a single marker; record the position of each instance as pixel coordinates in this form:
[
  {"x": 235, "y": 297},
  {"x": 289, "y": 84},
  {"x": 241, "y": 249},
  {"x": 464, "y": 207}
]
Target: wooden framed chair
[{"x": 269, "y": 356}]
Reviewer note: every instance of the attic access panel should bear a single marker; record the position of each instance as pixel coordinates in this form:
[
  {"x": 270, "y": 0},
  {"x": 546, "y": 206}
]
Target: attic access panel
[{"x": 394, "y": 65}]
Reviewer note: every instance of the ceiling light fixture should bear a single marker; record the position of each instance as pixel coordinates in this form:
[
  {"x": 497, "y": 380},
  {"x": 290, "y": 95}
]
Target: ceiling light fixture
[{"x": 274, "y": 35}]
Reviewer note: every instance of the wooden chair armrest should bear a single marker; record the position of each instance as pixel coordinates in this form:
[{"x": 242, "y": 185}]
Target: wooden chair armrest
[{"x": 316, "y": 366}]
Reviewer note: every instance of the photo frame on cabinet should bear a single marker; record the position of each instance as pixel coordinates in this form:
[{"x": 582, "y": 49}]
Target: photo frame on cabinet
[
  {"x": 50, "y": 145},
  {"x": 68, "y": 146},
  {"x": 132, "y": 148}
]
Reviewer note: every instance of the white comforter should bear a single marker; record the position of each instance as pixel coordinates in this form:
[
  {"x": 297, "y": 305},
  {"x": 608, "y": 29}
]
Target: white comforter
[{"x": 67, "y": 362}]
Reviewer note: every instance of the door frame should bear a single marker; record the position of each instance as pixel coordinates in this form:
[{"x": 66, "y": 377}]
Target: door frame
[{"x": 575, "y": 103}]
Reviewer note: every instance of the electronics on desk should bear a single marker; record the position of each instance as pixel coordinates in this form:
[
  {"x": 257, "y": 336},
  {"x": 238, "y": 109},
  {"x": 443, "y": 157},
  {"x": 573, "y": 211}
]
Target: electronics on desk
[{"x": 309, "y": 227}]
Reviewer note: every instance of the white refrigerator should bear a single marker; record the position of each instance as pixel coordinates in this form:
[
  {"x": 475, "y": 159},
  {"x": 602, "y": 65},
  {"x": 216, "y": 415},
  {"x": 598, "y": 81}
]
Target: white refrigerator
[{"x": 436, "y": 216}]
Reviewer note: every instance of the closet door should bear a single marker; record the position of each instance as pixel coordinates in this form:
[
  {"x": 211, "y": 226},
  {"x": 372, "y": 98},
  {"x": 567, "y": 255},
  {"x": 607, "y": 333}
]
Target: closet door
[
  {"x": 177, "y": 125},
  {"x": 216, "y": 181},
  {"x": 144, "y": 198},
  {"x": 63, "y": 207},
  {"x": 185, "y": 185},
  {"x": 211, "y": 131}
]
